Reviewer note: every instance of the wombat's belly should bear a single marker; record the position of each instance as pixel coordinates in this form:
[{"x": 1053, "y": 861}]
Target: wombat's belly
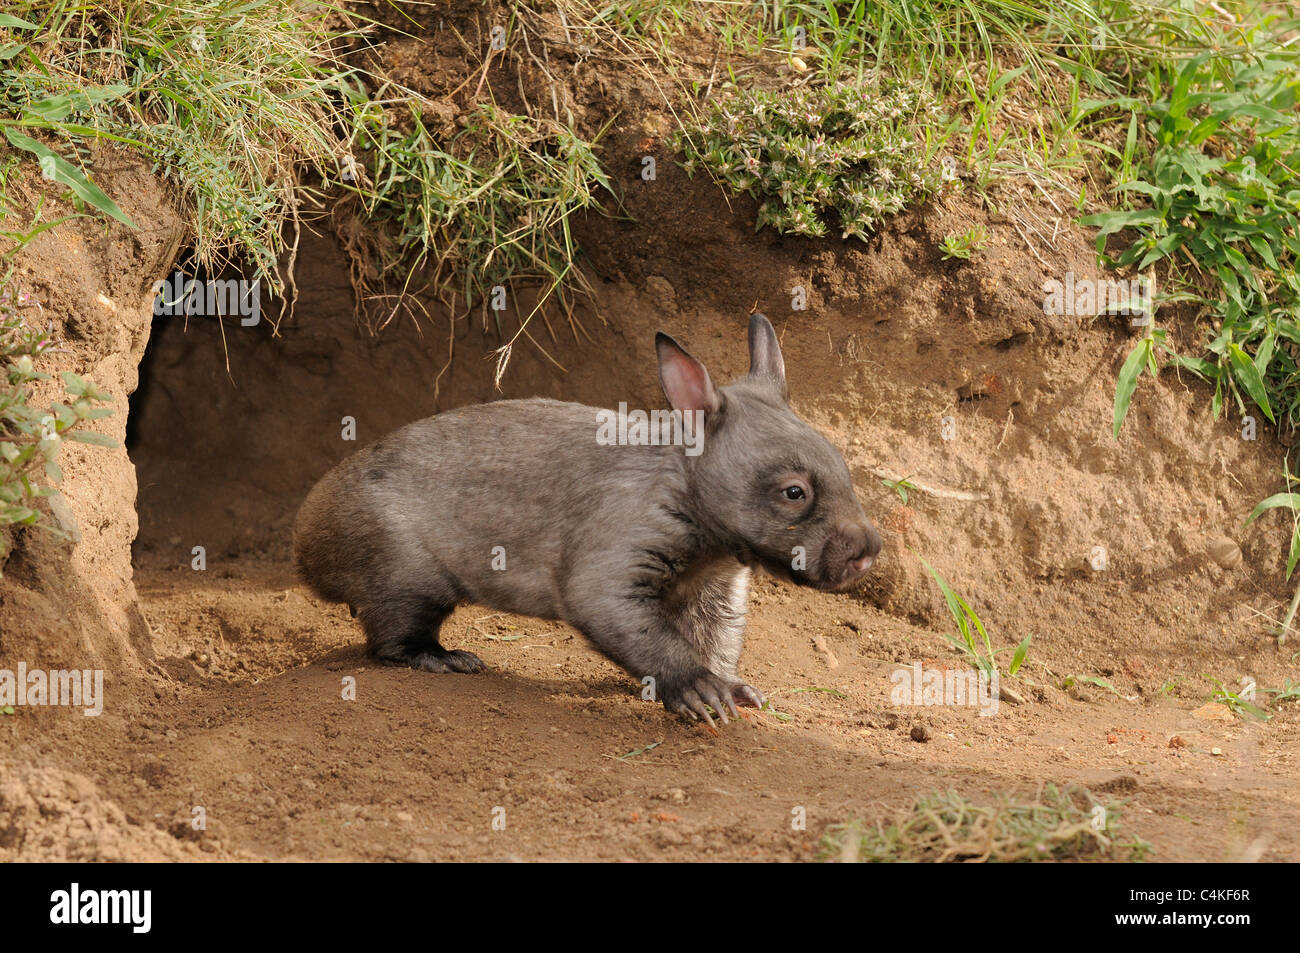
[{"x": 522, "y": 594}]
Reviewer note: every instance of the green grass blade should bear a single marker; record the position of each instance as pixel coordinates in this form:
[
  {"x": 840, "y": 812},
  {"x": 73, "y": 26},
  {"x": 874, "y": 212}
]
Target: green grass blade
[{"x": 1127, "y": 382}]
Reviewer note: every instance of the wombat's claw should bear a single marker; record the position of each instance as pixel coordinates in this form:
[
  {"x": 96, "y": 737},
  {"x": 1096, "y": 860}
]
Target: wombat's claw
[
  {"x": 706, "y": 691},
  {"x": 748, "y": 695}
]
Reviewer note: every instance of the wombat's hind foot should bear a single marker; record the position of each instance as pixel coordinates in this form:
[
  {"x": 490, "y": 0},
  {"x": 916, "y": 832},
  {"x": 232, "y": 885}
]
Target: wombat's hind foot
[
  {"x": 439, "y": 660},
  {"x": 402, "y": 629}
]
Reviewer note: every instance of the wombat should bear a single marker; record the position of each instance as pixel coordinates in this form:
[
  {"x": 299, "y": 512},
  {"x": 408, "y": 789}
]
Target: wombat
[{"x": 643, "y": 542}]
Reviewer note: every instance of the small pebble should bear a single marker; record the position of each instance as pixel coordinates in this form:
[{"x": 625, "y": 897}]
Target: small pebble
[{"x": 1225, "y": 552}]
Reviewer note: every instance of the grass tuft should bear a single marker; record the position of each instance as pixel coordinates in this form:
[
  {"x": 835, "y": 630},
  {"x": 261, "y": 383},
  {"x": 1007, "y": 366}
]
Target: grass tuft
[
  {"x": 843, "y": 154},
  {"x": 944, "y": 827}
]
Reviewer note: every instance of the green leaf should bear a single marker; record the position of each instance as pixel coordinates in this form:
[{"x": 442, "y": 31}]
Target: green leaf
[
  {"x": 1110, "y": 222},
  {"x": 948, "y": 594},
  {"x": 1290, "y": 500},
  {"x": 1264, "y": 354},
  {"x": 1197, "y": 365},
  {"x": 964, "y": 616},
  {"x": 1018, "y": 659},
  {"x": 91, "y": 437},
  {"x": 14, "y": 23},
  {"x": 52, "y": 109},
  {"x": 69, "y": 175},
  {"x": 18, "y": 514},
  {"x": 1163, "y": 248},
  {"x": 74, "y": 383},
  {"x": 64, "y": 415},
  {"x": 1248, "y": 376},
  {"x": 1127, "y": 382},
  {"x": 970, "y": 613},
  {"x": 1008, "y": 77},
  {"x": 1264, "y": 251},
  {"x": 1089, "y": 680}
]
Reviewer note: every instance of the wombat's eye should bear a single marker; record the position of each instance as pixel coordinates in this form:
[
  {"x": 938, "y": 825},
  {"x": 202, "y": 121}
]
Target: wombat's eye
[{"x": 795, "y": 491}]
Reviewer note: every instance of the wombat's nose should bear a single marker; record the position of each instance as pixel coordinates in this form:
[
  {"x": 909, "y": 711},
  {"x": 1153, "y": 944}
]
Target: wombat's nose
[
  {"x": 860, "y": 565},
  {"x": 866, "y": 551}
]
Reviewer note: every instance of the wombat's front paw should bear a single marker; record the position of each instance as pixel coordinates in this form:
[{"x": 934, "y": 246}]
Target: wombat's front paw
[{"x": 703, "y": 690}]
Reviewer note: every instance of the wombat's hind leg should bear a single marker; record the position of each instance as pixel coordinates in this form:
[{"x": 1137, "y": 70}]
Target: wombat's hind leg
[{"x": 403, "y": 630}]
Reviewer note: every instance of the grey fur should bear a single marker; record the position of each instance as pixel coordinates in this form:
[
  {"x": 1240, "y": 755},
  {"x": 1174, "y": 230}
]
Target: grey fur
[{"x": 644, "y": 549}]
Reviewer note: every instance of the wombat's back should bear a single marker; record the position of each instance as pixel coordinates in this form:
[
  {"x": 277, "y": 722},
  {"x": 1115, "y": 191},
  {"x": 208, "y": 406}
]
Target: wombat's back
[{"x": 436, "y": 495}]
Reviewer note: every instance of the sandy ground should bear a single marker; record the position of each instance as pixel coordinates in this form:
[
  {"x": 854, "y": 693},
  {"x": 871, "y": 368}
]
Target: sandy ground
[{"x": 552, "y": 755}]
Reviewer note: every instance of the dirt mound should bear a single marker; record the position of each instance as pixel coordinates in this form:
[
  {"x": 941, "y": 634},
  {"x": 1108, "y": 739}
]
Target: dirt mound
[{"x": 51, "y": 815}]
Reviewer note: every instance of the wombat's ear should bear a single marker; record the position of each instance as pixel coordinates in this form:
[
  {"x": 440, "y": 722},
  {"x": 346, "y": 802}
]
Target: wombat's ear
[
  {"x": 765, "y": 361},
  {"x": 686, "y": 383}
]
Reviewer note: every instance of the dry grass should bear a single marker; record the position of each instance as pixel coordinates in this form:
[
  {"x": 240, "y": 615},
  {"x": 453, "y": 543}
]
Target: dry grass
[{"x": 945, "y": 827}]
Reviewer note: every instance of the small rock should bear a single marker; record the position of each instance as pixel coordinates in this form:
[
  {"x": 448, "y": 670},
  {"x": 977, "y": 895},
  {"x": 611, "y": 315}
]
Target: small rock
[
  {"x": 1214, "y": 711},
  {"x": 920, "y": 733},
  {"x": 668, "y": 836},
  {"x": 404, "y": 816},
  {"x": 1225, "y": 552}
]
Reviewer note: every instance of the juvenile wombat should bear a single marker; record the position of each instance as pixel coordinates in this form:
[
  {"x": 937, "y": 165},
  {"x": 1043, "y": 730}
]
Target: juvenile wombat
[{"x": 526, "y": 506}]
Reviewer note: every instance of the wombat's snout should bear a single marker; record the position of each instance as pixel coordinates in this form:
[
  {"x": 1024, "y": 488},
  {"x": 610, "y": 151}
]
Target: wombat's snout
[{"x": 857, "y": 544}]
